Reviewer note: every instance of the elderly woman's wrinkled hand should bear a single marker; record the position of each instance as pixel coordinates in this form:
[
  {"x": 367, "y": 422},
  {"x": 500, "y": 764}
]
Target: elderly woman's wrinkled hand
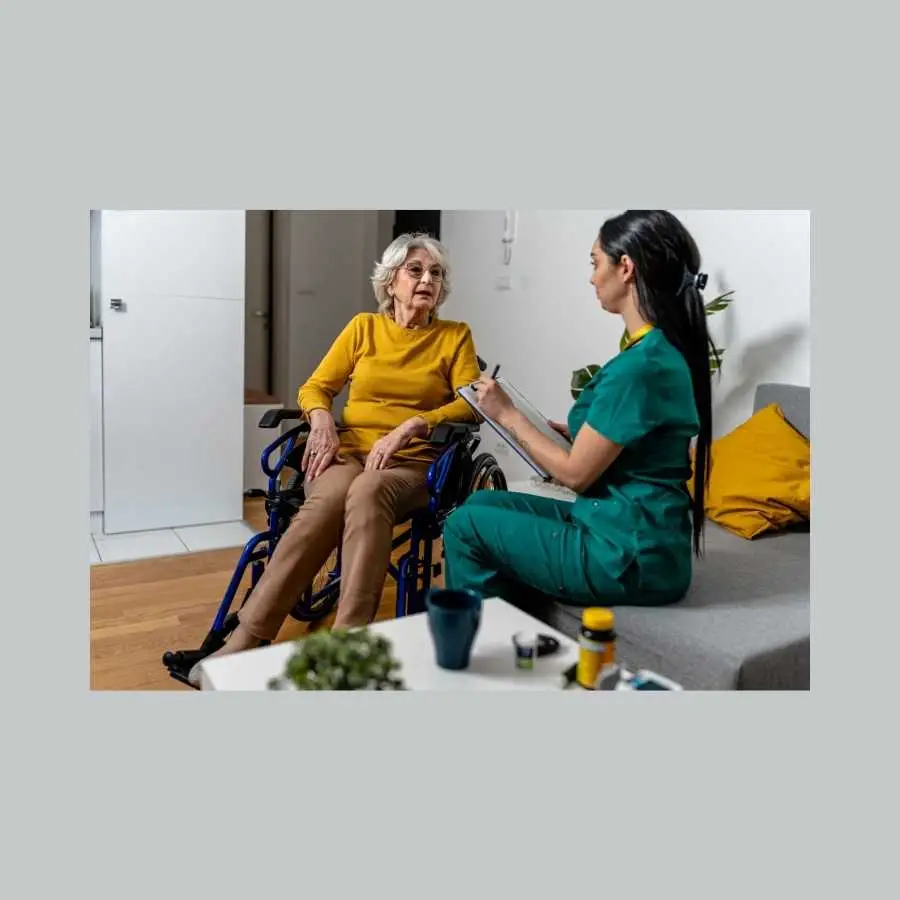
[
  {"x": 321, "y": 446},
  {"x": 493, "y": 401},
  {"x": 384, "y": 448}
]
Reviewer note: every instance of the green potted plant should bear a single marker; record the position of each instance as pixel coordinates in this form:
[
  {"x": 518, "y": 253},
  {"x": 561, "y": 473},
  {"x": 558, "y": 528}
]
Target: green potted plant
[
  {"x": 580, "y": 377},
  {"x": 341, "y": 660}
]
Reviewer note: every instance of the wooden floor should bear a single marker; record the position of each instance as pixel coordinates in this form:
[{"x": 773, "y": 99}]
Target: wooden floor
[{"x": 141, "y": 609}]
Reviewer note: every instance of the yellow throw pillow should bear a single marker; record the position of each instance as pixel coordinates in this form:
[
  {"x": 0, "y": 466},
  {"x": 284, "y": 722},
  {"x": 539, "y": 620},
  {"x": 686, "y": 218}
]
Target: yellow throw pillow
[{"x": 759, "y": 476}]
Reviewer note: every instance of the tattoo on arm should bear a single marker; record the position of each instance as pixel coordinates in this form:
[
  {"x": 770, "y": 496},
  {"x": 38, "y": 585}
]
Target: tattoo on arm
[{"x": 521, "y": 442}]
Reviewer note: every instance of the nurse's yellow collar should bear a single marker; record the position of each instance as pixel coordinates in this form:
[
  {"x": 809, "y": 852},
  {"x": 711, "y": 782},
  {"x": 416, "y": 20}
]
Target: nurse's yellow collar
[{"x": 637, "y": 336}]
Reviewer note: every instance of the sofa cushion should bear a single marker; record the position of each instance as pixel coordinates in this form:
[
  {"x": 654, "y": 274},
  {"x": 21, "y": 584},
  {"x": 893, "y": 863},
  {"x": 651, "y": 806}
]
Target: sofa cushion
[{"x": 759, "y": 476}]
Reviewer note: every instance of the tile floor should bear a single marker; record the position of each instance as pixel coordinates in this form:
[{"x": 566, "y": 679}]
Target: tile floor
[{"x": 113, "y": 548}]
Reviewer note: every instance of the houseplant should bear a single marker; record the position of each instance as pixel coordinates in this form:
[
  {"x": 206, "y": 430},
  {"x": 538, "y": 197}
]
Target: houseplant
[
  {"x": 341, "y": 660},
  {"x": 580, "y": 377}
]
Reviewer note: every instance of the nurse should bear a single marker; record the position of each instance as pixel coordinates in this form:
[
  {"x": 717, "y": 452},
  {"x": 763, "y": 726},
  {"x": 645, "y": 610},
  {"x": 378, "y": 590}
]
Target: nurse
[{"x": 629, "y": 535}]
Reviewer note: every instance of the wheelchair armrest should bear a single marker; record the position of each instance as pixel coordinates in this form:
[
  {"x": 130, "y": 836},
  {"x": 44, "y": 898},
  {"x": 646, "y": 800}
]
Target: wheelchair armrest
[
  {"x": 272, "y": 418},
  {"x": 450, "y": 432}
]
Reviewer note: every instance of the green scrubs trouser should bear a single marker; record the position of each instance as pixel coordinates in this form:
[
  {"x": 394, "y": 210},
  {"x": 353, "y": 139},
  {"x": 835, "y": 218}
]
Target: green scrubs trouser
[{"x": 528, "y": 549}]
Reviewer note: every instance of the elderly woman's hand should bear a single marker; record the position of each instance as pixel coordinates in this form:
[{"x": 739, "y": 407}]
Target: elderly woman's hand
[
  {"x": 493, "y": 401},
  {"x": 384, "y": 448},
  {"x": 321, "y": 445}
]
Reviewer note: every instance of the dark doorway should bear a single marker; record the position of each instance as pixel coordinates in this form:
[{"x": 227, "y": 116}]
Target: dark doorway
[{"x": 427, "y": 220}]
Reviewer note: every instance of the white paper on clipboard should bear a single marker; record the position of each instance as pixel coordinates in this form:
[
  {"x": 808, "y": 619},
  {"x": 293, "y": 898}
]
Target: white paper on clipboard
[{"x": 529, "y": 410}]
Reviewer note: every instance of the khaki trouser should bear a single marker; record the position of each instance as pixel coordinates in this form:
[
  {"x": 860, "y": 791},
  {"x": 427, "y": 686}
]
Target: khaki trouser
[{"x": 365, "y": 506}]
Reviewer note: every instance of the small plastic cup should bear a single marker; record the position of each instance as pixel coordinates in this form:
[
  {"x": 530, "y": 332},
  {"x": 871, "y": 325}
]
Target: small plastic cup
[{"x": 526, "y": 647}]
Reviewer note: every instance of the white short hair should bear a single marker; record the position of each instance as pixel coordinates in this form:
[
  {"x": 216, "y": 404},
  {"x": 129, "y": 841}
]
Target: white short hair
[{"x": 394, "y": 257}]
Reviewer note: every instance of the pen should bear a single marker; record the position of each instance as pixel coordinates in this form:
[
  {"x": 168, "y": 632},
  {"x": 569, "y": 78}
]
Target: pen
[{"x": 496, "y": 370}]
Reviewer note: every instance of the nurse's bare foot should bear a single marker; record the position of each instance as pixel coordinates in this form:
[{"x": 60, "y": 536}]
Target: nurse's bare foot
[{"x": 240, "y": 639}]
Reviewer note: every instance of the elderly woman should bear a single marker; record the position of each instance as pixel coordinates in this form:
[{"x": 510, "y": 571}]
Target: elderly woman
[{"x": 403, "y": 365}]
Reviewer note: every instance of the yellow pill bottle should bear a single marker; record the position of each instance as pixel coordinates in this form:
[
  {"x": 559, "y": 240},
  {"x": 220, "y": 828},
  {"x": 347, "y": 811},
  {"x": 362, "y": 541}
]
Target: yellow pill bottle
[{"x": 597, "y": 642}]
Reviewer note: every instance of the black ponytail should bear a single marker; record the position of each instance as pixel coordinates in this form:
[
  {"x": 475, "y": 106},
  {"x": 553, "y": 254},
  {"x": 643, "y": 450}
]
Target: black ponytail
[
  {"x": 697, "y": 350},
  {"x": 669, "y": 284}
]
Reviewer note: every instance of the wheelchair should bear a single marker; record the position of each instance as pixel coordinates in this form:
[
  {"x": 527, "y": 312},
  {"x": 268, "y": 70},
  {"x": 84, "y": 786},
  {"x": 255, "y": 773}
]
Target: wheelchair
[{"x": 456, "y": 473}]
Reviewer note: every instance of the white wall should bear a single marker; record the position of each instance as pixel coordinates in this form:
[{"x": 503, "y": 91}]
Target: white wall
[
  {"x": 549, "y": 322},
  {"x": 95, "y": 299}
]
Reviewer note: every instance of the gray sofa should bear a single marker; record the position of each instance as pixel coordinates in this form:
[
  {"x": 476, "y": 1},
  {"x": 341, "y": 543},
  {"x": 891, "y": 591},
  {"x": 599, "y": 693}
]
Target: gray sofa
[{"x": 744, "y": 625}]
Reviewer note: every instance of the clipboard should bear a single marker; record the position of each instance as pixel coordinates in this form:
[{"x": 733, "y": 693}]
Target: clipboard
[{"x": 530, "y": 411}]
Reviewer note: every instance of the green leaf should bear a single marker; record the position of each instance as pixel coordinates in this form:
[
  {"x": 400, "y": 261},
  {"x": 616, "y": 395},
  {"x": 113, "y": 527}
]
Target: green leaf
[
  {"x": 723, "y": 301},
  {"x": 580, "y": 379}
]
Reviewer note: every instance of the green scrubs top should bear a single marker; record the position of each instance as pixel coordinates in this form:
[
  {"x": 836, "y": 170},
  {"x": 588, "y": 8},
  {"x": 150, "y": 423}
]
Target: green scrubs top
[{"x": 639, "y": 510}]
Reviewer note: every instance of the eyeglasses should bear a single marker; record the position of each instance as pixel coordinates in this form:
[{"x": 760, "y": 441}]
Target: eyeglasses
[{"x": 417, "y": 270}]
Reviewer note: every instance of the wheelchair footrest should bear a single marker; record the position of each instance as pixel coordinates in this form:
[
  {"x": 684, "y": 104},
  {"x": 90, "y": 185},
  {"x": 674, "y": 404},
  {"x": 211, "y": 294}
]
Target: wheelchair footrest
[{"x": 180, "y": 662}]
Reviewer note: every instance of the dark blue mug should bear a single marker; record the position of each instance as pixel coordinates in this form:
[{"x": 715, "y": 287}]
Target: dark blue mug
[{"x": 454, "y": 617}]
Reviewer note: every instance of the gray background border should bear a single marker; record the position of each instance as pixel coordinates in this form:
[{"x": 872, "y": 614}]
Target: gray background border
[{"x": 133, "y": 795}]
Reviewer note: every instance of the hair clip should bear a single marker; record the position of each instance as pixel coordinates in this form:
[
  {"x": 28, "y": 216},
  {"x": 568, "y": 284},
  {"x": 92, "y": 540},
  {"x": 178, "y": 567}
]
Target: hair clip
[{"x": 702, "y": 278}]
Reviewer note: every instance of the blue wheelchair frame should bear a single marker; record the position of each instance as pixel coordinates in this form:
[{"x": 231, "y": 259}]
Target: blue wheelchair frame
[{"x": 413, "y": 575}]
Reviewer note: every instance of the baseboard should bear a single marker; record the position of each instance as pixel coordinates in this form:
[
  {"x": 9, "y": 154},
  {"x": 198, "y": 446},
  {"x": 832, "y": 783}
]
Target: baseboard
[{"x": 96, "y": 523}]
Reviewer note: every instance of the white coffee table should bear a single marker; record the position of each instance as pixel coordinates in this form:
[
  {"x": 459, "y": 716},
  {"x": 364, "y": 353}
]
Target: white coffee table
[{"x": 492, "y": 667}]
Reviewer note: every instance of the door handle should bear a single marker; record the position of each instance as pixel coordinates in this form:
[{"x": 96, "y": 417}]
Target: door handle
[
  {"x": 260, "y": 314},
  {"x": 117, "y": 305}
]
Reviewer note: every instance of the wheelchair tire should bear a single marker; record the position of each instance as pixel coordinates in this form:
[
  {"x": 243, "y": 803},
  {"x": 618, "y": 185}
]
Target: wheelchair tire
[
  {"x": 486, "y": 474},
  {"x": 303, "y": 610},
  {"x": 291, "y": 498},
  {"x": 293, "y": 483}
]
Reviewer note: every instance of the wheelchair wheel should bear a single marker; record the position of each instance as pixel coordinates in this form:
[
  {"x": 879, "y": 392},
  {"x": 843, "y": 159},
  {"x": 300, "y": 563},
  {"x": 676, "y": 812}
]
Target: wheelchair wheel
[
  {"x": 293, "y": 482},
  {"x": 304, "y": 609},
  {"x": 323, "y": 576},
  {"x": 486, "y": 474}
]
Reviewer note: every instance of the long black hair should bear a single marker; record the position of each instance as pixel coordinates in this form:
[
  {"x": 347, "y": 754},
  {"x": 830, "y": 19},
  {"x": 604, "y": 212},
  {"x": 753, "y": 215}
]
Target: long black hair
[{"x": 666, "y": 269}]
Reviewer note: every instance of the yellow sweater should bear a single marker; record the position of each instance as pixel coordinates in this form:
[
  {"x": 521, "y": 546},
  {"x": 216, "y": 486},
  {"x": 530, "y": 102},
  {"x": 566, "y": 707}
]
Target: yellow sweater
[{"x": 395, "y": 373}]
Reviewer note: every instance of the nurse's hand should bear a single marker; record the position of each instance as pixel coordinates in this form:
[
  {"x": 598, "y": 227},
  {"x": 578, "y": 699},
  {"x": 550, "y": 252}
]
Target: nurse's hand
[
  {"x": 493, "y": 401},
  {"x": 559, "y": 428}
]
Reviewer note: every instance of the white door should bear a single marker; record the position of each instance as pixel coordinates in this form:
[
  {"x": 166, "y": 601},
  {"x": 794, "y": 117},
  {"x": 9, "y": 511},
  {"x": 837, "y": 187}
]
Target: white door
[
  {"x": 96, "y": 427},
  {"x": 172, "y": 304}
]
